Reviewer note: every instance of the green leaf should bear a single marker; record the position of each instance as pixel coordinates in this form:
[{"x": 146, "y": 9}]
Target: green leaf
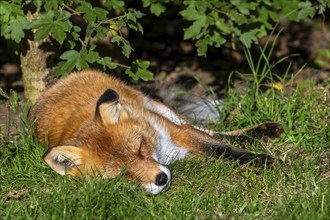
[
  {"x": 18, "y": 26},
  {"x": 131, "y": 20},
  {"x": 42, "y": 33},
  {"x": 100, "y": 13},
  {"x": 139, "y": 70},
  {"x": 289, "y": 9},
  {"x": 60, "y": 29},
  {"x": 101, "y": 32},
  {"x": 262, "y": 31},
  {"x": 70, "y": 55},
  {"x": 8, "y": 10},
  {"x": 131, "y": 74},
  {"x": 5, "y": 31},
  {"x": 306, "y": 10},
  {"x": 46, "y": 25},
  {"x": 191, "y": 14},
  {"x": 75, "y": 59},
  {"x": 117, "y": 39},
  {"x": 249, "y": 37},
  {"x": 243, "y": 6},
  {"x": 222, "y": 26},
  {"x": 49, "y": 5},
  {"x": 264, "y": 17},
  {"x": 145, "y": 75},
  {"x": 63, "y": 68},
  {"x": 72, "y": 58},
  {"x": 143, "y": 64},
  {"x": 84, "y": 55},
  {"x": 75, "y": 33},
  {"x": 134, "y": 14},
  {"x": 92, "y": 56},
  {"x": 127, "y": 49},
  {"x": 12, "y": 20},
  {"x": 115, "y": 4},
  {"x": 82, "y": 64},
  {"x": 37, "y": 3},
  {"x": 87, "y": 10},
  {"x": 240, "y": 19},
  {"x": 195, "y": 29},
  {"x": 216, "y": 40},
  {"x": 146, "y": 3},
  {"x": 92, "y": 13},
  {"x": 136, "y": 26},
  {"x": 202, "y": 45},
  {"x": 44, "y": 18},
  {"x": 107, "y": 62},
  {"x": 157, "y": 8}
]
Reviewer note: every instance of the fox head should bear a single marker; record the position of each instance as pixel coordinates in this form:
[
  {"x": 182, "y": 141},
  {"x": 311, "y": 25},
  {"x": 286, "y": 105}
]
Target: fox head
[{"x": 113, "y": 141}]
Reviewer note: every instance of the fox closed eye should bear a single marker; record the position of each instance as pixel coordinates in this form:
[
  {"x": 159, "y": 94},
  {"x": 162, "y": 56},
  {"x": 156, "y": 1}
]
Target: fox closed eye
[{"x": 144, "y": 152}]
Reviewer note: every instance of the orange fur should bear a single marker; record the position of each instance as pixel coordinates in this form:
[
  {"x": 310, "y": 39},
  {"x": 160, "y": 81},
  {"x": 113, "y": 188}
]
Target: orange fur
[{"x": 95, "y": 125}]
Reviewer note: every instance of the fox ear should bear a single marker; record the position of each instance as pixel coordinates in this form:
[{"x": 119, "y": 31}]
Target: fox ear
[
  {"x": 63, "y": 159},
  {"x": 108, "y": 108}
]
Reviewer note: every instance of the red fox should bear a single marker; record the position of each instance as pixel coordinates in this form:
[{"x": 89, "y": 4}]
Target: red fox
[{"x": 96, "y": 125}]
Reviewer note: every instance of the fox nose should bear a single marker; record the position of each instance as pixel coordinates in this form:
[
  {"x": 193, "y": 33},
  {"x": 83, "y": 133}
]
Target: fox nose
[{"x": 161, "y": 179}]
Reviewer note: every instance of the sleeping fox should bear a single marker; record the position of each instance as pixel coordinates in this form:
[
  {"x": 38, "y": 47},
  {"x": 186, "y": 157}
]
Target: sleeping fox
[{"x": 94, "y": 124}]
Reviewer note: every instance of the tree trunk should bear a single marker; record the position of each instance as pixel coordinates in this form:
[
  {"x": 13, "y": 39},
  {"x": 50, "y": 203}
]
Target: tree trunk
[{"x": 33, "y": 65}]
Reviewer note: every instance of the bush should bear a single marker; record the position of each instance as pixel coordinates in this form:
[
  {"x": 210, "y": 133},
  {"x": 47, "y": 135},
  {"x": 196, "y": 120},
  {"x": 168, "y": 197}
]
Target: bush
[{"x": 212, "y": 23}]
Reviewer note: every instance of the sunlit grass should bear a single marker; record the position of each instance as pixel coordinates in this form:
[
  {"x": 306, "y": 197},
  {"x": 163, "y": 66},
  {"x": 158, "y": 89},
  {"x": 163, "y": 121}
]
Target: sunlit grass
[{"x": 202, "y": 188}]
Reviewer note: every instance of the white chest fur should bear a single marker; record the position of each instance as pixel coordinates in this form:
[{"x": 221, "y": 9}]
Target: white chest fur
[{"x": 167, "y": 152}]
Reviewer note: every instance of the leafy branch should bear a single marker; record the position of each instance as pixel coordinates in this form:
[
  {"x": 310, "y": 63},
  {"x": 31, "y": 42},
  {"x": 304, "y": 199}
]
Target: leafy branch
[
  {"x": 213, "y": 22},
  {"x": 53, "y": 20}
]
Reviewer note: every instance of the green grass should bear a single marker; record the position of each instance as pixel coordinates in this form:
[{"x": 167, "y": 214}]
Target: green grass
[{"x": 202, "y": 188}]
